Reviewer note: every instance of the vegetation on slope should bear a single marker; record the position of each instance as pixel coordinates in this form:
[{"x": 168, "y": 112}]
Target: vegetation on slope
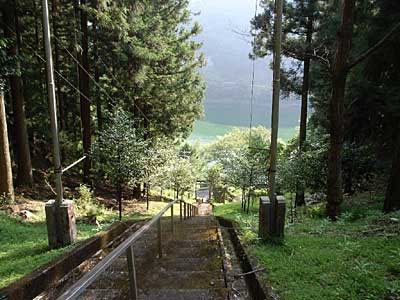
[{"x": 357, "y": 257}]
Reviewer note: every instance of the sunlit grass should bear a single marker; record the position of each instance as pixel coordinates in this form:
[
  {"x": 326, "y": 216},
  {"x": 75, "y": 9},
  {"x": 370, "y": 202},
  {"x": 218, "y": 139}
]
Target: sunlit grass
[{"x": 357, "y": 257}]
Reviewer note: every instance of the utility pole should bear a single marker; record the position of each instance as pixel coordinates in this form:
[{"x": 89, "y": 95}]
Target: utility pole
[
  {"x": 52, "y": 100},
  {"x": 59, "y": 214},
  {"x": 272, "y": 208}
]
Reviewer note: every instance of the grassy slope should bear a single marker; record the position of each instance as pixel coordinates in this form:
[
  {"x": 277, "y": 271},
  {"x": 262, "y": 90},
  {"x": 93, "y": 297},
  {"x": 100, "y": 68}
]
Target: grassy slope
[
  {"x": 357, "y": 257},
  {"x": 23, "y": 245}
]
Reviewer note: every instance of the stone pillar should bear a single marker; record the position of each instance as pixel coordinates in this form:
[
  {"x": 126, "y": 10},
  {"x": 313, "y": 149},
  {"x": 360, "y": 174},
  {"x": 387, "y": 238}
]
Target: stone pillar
[
  {"x": 271, "y": 221},
  {"x": 64, "y": 233}
]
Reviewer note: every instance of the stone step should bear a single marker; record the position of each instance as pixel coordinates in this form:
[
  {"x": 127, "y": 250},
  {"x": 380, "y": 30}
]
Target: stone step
[
  {"x": 191, "y": 252},
  {"x": 104, "y": 294},
  {"x": 190, "y": 268},
  {"x": 190, "y": 264},
  {"x": 180, "y": 294},
  {"x": 167, "y": 279},
  {"x": 188, "y": 243}
]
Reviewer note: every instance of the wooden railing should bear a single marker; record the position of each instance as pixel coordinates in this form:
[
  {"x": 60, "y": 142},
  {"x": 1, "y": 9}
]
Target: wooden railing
[{"x": 186, "y": 211}]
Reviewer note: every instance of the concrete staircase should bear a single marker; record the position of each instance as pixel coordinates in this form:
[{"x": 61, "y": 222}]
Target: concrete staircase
[{"x": 191, "y": 267}]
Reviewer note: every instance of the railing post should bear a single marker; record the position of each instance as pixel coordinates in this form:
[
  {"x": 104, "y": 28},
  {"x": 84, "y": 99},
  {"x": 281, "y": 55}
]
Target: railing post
[
  {"x": 184, "y": 211},
  {"x": 130, "y": 255},
  {"x": 180, "y": 211},
  {"x": 159, "y": 238},
  {"x": 172, "y": 219}
]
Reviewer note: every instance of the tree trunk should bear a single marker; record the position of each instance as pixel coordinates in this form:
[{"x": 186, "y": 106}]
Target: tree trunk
[
  {"x": 6, "y": 180},
  {"x": 84, "y": 87},
  {"x": 119, "y": 199},
  {"x": 304, "y": 95},
  {"x": 242, "y": 198},
  {"x": 147, "y": 199},
  {"x": 348, "y": 181},
  {"x": 136, "y": 192},
  {"x": 22, "y": 151},
  {"x": 336, "y": 107},
  {"x": 392, "y": 198}
]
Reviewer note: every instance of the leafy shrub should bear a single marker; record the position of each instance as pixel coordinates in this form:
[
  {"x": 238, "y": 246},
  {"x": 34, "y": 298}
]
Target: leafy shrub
[
  {"x": 86, "y": 203},
  {"x": 317, "y": 211}
]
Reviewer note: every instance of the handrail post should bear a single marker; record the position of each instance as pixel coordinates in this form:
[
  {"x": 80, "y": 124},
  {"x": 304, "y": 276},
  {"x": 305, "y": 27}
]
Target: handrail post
[
  {"x": 130, "y": 255},
  {"x": 184, "y": 211},
  {"x": 180, "y": 211},
  {"x": 159, "y": 238},
  {"x": 172, "y": 219}
]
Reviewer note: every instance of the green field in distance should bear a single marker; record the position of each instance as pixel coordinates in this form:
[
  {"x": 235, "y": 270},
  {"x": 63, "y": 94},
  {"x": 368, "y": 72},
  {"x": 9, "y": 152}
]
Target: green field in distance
[{"x": 206, "y": 132}]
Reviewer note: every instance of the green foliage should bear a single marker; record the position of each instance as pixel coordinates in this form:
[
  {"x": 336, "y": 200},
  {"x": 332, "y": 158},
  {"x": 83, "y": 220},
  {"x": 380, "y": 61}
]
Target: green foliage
[
  {"x": 143, "y": 56},
  {"x": 120, "y": 151},
  {"x": 7, "y": 63},
  {"x": 181, "y": 174},
  {"x": 152, "y": 43},
  {"x": 306, "y": 170},
  {"x": 242, "y": 156},
  {"x": 214, "y": 178}
]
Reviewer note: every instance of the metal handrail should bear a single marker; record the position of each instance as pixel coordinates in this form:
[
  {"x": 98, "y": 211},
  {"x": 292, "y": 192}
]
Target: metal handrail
[{"x": 80, "y": 286}]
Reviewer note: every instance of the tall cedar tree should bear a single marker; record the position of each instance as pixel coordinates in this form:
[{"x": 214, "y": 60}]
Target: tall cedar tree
[{"x": 20, "y": 131}]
